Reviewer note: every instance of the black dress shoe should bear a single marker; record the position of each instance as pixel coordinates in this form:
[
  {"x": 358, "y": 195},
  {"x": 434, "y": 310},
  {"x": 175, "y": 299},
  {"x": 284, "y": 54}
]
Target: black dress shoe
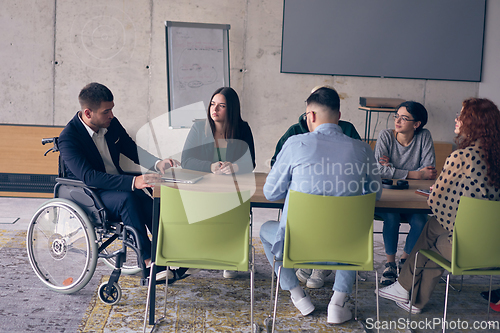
[
  {"x": 495, "y": 295},
  {"x": 179, "y": 274}
]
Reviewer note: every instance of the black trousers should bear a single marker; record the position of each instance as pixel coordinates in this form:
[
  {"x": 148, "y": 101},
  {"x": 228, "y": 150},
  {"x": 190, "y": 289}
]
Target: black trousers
[{"x": 135, "y": 209}]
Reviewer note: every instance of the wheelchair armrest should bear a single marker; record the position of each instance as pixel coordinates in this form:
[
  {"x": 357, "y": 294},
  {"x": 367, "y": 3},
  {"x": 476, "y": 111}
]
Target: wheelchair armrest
[
  {"x": 73, "y": 182},
  {"x": 85, "y": 195}
]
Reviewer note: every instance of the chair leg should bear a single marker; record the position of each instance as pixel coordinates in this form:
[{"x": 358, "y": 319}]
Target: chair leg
[
  {"x": 378, "y": 311},
  {"x": 446, "y": 301},
  {"x": 413, "y": 284},
  {"x": 276, "y": 298},
  {"x": 148, "y": 296},
  {"x": 166, "y": 292},
  {"x": 451, "y": 286},
  {"x": 273, "y": 275},
  {"x": 252, "y": 273},
  {"x": 356, "y": 299},
  {"x": 489, "y": 300}
]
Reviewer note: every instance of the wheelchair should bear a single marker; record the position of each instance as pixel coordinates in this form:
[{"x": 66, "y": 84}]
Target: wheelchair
[{"x": 69, "y": 233}]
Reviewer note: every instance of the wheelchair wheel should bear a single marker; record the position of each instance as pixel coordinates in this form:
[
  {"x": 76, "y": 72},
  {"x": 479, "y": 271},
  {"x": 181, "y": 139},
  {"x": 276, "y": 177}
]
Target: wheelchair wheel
[
  {"x": 129, "y": 267},
  {"x": 61, "y": 246},
  {"x": 112, "y": 296}
]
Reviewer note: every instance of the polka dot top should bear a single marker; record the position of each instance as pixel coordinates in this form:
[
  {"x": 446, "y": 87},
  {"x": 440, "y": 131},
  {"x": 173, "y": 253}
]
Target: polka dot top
[{"x": 464, "y": 174}]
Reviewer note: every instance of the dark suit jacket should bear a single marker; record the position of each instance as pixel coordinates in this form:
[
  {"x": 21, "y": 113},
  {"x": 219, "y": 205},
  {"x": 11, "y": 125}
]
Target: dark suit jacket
[
  {"x": 82, "y": 160},
  {"x": 198, "y": 151}
]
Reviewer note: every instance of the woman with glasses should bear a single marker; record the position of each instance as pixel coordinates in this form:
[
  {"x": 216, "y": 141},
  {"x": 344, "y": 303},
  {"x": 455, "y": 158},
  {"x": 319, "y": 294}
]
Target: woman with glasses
[
  {"x": 473, "y": 170},
  {"x": 405, "y": 152}
]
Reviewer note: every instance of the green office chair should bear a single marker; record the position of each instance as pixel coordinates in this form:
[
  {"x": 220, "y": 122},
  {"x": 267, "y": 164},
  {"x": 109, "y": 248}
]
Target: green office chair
[
  {"x": 338, "y": 230},
  {"x": 475, "y": 246},
  {"x": 204, "y": 230}
]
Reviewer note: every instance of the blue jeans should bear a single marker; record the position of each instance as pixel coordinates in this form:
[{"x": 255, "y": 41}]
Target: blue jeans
[
  {"x": 288, "y": 280},
  {"x": 390, "y": 232}
]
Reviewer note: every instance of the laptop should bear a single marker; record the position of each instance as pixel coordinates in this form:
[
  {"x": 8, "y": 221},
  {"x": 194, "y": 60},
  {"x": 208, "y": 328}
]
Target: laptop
[{"x": 184, "y": 176}]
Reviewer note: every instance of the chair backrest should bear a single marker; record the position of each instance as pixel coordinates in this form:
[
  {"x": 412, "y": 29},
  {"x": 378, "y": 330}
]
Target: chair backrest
[
  {"x": 203, "y": 229},
  {"x": 329, "y": 229},
  {"x": 476, "y": 237}
]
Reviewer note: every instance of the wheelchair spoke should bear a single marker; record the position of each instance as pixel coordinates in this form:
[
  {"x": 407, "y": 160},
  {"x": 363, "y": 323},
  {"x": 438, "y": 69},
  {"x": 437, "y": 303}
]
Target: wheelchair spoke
[{"x": 61, "y": 249}]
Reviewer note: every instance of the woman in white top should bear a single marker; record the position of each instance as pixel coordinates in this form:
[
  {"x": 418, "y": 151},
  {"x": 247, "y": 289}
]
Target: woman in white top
[{"x": 405, "y": 152}]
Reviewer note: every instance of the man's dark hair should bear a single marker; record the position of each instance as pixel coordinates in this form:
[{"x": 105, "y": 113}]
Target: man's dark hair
[
  {"x": 325, "y": 96},
  {"x": 93, "y": 94}
]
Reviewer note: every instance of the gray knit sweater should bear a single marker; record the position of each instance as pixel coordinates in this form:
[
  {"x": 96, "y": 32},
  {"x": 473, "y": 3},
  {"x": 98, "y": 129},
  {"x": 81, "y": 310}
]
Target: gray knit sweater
[{"x": 417, "y": 155}]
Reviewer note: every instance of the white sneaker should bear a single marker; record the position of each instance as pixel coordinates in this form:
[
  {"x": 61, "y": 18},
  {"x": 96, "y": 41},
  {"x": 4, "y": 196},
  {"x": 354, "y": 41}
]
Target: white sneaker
[
  {"x": 303, "y": 274},
  {"x": 192, "y": 271},
  {"x": 317, "y": 278},
  {"x": 406, "y": 307},
  {"x": 304, "y": 304},
  {"x": 394, "y": 292},
  {"x": 230, "y": 274},
  {"x": 164, "y": 274},
  {"x": 338, "y": 314}
]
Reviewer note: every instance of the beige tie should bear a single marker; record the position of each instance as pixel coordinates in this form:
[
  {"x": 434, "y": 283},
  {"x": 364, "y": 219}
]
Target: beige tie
[{"x": 102, "y": 146}]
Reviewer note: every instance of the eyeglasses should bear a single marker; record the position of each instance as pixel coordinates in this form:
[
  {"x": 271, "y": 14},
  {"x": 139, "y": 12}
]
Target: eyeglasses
[
  {"x": 404, "y": 119},
  {"x": 304, "y": 115}
]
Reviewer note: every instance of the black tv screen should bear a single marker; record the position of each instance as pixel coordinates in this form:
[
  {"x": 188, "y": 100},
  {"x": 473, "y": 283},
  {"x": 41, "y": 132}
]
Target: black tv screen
[{"x": 424, "y": 39}]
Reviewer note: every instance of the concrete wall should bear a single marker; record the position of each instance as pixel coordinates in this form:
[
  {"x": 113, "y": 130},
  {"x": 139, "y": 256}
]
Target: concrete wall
[
  {"x": 50, "y": 49},
  {"x": 490, "y": 82}
]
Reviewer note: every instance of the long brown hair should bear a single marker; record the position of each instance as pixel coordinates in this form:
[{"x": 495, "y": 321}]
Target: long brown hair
[
  {"x": 233, "y": 113},
  {"x": 480, "y": 120}
]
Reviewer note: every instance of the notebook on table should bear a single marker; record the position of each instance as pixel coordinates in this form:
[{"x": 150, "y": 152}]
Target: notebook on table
[{"x": 184, "y": 176}]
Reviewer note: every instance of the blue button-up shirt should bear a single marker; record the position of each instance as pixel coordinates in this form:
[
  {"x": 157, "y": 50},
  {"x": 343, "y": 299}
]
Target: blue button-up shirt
[{"x": 323, "y": 162}]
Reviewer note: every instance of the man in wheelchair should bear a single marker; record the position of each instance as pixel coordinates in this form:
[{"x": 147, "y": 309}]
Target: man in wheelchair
[{"x": 90, "y": 146}]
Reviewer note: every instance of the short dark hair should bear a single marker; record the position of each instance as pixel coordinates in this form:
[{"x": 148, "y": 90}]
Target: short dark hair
[
  {"x": 93, "y": 94},
  {"x": 417, "y": 111},
  {"x": 233, "y": 112},
  {"x": 326, "y": 97}
]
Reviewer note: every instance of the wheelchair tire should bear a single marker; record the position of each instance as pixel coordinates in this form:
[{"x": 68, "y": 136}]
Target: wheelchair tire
[
  {"x": 110, "y": 297},
  {"x": 62, "y": 246}
]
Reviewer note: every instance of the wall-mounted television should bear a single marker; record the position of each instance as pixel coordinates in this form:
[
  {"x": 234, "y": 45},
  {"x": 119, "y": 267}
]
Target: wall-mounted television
[{"x": 424, "y": 39}]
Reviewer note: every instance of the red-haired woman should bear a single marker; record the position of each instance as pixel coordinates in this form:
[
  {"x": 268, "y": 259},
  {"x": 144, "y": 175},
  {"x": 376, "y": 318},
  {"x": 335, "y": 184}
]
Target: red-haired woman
[{"x": 473, "y": 170}]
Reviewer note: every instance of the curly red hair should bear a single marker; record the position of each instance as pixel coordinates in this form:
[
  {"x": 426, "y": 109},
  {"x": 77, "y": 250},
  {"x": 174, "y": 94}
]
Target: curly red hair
[{"x": 480, "y": 119}]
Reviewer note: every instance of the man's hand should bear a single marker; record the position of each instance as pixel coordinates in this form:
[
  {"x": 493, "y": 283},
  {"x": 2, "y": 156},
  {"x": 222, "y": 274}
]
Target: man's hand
[
  {"x": 147, "y": 180},
  {"x": 167, "y": 163}
]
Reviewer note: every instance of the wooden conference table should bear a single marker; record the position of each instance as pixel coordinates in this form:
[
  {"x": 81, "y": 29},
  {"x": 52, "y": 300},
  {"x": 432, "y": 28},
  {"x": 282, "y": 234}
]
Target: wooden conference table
[
  {"x": 404, "y": 201},
  {"x": 401, "y": 201}
]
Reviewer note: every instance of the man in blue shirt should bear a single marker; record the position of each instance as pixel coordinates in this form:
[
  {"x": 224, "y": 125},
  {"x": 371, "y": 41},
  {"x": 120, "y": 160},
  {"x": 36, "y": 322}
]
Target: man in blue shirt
[{"x": 305, "y": 165}]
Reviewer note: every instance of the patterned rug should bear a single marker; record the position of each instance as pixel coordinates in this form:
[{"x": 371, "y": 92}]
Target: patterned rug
[{"x": 206, "y": 302}]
